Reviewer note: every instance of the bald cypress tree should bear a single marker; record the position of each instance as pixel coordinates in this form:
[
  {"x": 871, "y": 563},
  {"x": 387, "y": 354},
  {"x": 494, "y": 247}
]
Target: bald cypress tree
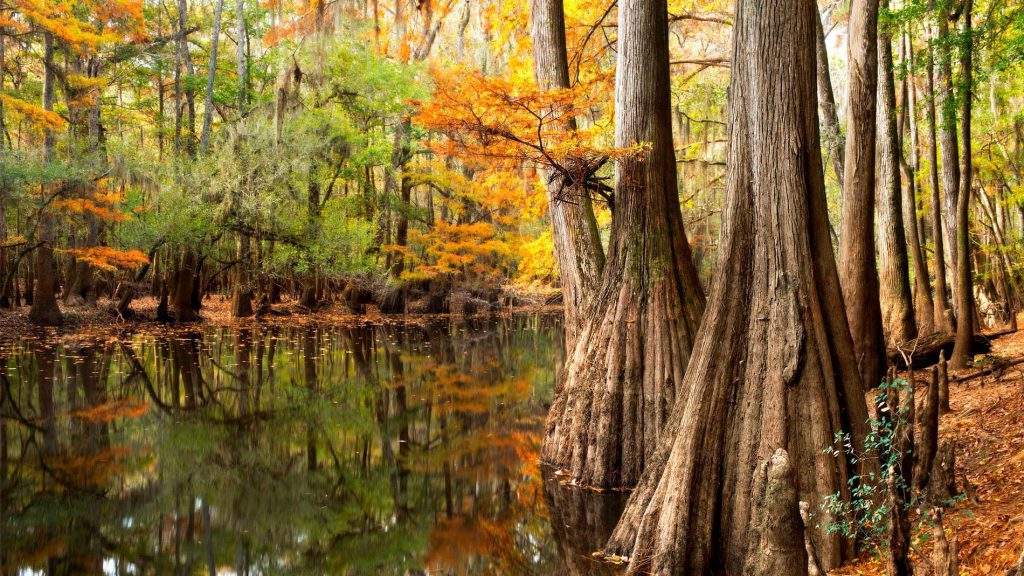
[{"x": 773, "y": 365}]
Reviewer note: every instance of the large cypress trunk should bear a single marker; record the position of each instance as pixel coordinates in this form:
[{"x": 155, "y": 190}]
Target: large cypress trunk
[
  {"x": 773, "y": 366},
  {"x": 625, "y": 371},
  {"x": 856, "y": 238},
  {"x": 894, "y": 269},
  {"x": 573, "y": 226}
]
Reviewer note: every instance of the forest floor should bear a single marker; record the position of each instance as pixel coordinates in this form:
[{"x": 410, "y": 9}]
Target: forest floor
[{"x": 987, "y": 423}]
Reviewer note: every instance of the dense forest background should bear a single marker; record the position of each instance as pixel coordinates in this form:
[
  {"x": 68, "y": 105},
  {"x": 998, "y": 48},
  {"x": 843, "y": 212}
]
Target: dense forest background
[
  {"x": 392, "y": 153},
  {"x": 355, "y": 152}
]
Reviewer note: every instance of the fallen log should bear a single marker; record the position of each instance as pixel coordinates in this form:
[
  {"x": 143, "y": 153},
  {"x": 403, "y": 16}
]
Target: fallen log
[
  {"x": 997, "y": 367},
  {"x": 924, "y": 351}
]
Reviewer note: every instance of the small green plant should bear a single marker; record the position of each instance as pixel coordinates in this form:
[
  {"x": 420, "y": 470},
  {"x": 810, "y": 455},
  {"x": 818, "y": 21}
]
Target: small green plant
[{"x": 864, "y": 514}]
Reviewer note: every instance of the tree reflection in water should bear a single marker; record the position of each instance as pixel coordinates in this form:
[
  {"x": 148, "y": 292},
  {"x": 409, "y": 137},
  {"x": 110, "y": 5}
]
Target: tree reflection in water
[{"x": 286, "y": 450}]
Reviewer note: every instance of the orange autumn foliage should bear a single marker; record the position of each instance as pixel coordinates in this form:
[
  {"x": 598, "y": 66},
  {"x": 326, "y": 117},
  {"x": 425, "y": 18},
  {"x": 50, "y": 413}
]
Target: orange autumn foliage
[
  {"x": 107, "y": 258},
  {"x": 498, "y": 120},
  {"x": 38, "y": 116},
  {"x": 85, "y": 24}
]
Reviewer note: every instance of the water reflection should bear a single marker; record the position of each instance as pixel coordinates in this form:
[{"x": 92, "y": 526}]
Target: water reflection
[{"x": 287, "y": 450}]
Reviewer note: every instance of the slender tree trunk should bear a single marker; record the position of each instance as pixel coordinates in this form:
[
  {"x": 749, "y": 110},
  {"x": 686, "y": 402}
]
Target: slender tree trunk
[
  {"x": 942, "y": 308},
  {"x": 625, "y": 371},
  {"x": 204, "y": 140},
  {"x": 190, "y": 95},
  {"x": 774, "y": 365},
  {"x": 45, "y": 310},
  {"x": 242, "y": 56},
  {"x": 894, "y": 267},
  {"x": 964, "y": 275},
  {"x": 924, "y": 305},
  {"x": 578, "y": 248},
  {"x": 948, "y": 146},
  {"x": 835, "y": 142},
  {"x": 857, "y": 243}
]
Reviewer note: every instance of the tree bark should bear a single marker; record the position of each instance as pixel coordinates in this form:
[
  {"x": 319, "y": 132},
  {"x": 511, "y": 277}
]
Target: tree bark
[
  {"x": 857, "y": 243},
  {"x": 941, "y": 301},
  {"x": 777, "y": 531},
  {"x": 948, "y": 146},
  {"x": 45, "y": 311},
  {"x": 773, "y": 366},
  {"x": 924, "y": 304},
  {"x": 625, "y": 372},
  {"x": 834, "y": 139},
  {"x": 964, "y": 275},
  {"x": 893, "y": 263},
  {"x": 578, "y": 249}
]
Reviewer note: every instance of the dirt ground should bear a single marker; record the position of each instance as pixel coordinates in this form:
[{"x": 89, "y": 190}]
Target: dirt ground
[{"x": 987, "y": 422}]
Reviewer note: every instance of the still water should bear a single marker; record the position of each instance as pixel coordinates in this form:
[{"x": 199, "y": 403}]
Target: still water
[{"x": 304, "y": 449}]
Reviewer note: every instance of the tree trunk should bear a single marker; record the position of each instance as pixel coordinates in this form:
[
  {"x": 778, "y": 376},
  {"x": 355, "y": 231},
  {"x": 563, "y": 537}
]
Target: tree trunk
[
  {"x": 948, "y": 146},
  {"x": 241, "y": 297},
  {"x": 893, "y": 263},
  {"x": 184, "y": 279},
  {"x": 190, "y": 94},
  {"x": 773, "y": 366},
  {"x": 45, "y": 310},
  {"x": 924, "y": 305},
  {"x": 204, "y": 140},
  {"x": 625, "y": 371},
  {"x": 941, "y": 301},
  {"x": 964, "y": 275},
  {"x": 857, "y": 243},
  {"x": 574, "y": 229},
  {"x": 834, "y": 139},
  {"x": 242, "y": 56}
]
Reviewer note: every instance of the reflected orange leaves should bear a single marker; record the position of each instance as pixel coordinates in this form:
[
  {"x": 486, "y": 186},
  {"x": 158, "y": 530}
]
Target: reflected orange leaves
[
  {"x": 113, "y": 410},
  {"x": 94, "y": 470}
]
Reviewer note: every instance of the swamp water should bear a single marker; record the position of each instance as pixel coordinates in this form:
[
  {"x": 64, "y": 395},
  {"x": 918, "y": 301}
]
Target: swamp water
[{"x": 307, "y": 449}]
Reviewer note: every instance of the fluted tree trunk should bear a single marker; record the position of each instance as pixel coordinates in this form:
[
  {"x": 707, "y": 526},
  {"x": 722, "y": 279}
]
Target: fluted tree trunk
[
  {"x": 857, "y": 265},
  {"x": 924, "y": 304},
  {"x": 834, "y": 139},
  {"x": 894, "y": 269},
  {"x": 625, "y": 371},
  {"x": 573, "y": 226},
  {"x": 773, "y": 366},
  {"x": 964, "y": 275}
]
